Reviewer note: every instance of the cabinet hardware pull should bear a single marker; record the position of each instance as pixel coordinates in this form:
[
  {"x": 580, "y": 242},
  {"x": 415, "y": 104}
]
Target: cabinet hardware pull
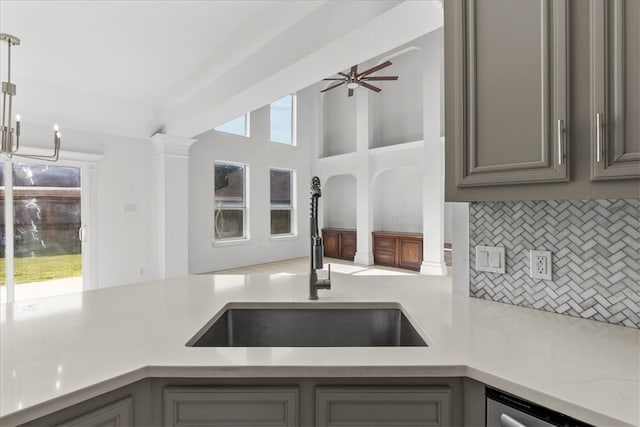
[
  {"x": 560, "y": 141},
  {"x": 598, "y": 137}
]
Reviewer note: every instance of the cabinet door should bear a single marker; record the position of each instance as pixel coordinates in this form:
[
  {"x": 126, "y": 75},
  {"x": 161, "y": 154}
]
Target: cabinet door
[
  {"x": 331, "y": 242},
  {"x": 615, "y": 89},
  {"x": 510, "y": 91},
  {"x": 348, "y": 245},
  {"x": 207, "y": 406},
  {"x": 383, "y": 406},
  {"x": 410, "y": 253},
  {"x": 117, "y": 414}
]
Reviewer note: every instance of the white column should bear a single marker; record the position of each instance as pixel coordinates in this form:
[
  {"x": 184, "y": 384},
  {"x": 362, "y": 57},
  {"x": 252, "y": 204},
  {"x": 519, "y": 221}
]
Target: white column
[
  {"x": 364, "y": 202},
  {"x": 172, "y": 188},
  {"x": 433, "y": 176}
]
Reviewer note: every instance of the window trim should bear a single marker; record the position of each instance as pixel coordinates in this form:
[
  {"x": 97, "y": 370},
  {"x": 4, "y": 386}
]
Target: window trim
[
  {"x": 294, "y": 122},
  {"x": 292, "y": 207},
  {"x": 245, "y": 206}
]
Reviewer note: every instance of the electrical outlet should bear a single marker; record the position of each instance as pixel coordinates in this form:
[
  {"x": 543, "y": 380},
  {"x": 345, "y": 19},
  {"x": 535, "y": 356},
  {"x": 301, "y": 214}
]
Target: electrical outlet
[{"x": 540, "y": 265}]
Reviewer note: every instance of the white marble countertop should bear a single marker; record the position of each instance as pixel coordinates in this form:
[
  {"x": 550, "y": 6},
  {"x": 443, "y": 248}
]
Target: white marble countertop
[{"x": 55, "y": 352}]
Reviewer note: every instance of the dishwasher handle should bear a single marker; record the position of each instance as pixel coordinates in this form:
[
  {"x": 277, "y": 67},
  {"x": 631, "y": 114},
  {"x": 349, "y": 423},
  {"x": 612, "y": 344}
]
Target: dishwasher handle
[{"x": 507, "y": 421}]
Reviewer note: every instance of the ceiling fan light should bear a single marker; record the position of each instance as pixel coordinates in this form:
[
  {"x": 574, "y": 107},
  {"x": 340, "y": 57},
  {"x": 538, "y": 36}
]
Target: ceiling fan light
[{"x": 352, "y": 85}]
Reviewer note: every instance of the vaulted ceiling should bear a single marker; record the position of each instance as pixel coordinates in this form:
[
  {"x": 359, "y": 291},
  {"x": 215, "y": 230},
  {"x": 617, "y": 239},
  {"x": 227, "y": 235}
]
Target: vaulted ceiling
[{"x": 132, "y": 68}]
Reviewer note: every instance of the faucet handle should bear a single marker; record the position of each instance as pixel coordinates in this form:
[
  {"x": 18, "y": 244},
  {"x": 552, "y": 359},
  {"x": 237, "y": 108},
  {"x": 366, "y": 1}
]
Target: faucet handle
[{"x": 327, "y": 282}]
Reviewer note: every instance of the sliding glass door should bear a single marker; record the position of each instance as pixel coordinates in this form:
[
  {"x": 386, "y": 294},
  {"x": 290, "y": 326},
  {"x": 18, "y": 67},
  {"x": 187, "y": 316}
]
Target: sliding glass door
[{"x": 48, "y": 231}]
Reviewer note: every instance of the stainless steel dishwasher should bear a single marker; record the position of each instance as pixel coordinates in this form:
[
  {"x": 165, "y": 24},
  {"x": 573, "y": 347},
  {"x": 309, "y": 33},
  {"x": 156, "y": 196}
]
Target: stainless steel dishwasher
[{"x": 506, "y": 410}]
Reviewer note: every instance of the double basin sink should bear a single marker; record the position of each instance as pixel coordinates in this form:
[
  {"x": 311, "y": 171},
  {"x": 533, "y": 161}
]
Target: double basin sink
[{"x": 308, "y": 325}]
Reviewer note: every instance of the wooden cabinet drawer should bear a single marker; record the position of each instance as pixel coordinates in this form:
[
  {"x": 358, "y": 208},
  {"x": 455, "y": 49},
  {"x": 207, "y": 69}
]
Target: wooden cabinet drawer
[
  {"x": 384, "y": 258},
  {"x": 385, "y": 243}
]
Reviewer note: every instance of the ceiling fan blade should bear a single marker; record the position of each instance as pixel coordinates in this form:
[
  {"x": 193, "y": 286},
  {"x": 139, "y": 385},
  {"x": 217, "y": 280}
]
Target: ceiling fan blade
[
  {"x": 341, "y": 79},
  {"x": 374, "y": 69},
  {"x": 354, "y": 70},
  {"x": 343, "y": 74},
  {"x": 372, "y": 78},
  {"x": 371, "y": 87},
  {"x": 332, "y": 86},
  {"x": 350, "y": 92}
]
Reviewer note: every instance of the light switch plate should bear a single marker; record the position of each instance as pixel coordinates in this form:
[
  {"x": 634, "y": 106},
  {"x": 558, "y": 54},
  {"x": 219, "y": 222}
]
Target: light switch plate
[{"x": 490, "y": 258}]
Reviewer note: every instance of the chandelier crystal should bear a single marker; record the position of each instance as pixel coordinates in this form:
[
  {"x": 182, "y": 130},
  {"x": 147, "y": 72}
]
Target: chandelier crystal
[{"x": 11, "y": 135}]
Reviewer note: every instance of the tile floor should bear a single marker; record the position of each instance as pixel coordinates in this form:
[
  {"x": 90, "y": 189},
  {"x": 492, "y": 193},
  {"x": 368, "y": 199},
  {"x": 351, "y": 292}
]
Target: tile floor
[
  {"x": 47, "y": 288},
  {"x": 301, "y": 266},
  {"x": 30, "y": 291}
]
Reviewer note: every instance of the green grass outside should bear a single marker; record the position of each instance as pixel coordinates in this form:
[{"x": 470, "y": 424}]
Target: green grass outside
[{"x": 37, "y": 269}]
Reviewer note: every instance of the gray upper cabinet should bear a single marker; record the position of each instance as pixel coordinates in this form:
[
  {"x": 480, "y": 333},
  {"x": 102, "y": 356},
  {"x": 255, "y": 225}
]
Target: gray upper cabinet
[
  {"x": 510, "y": 91},
  {"x": 615, "y": 89}
]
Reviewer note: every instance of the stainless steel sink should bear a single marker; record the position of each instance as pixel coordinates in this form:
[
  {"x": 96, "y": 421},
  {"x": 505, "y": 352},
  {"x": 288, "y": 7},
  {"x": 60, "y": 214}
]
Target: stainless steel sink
[{"x": 308, "y": 325}]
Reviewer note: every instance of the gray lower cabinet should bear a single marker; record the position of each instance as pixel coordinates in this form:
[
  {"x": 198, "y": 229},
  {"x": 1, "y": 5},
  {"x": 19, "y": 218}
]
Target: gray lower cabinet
[
  {"x": 116, "y": 414},
  {"x": 300, "y": 402},
  {"x": 615, "y": 89},
  {"x": 383, "y": 406},
  {"x": 233, "y": 406},
  {"x": 508, "y": 86}
]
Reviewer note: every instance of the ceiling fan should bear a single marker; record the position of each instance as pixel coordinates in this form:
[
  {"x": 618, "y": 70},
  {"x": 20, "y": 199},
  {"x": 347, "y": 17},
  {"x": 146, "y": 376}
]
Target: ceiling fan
[{"x": 353, "y": 80}]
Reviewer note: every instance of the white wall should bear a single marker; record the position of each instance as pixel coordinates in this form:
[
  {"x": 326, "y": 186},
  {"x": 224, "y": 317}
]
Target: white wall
[
  {"x": 260, "y": 155},
  {"x": 339, "y": 202},
  {"x": 448, "y": 222},
  {"x": 339, "y": 122},
  {"x": 398, "y": 201},
  {"x": 397, "y": 109},
  {"x": 125, "y": 237}
]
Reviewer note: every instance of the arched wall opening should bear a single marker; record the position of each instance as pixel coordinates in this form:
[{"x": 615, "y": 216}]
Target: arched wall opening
[
  {"x": 397, "y": 200},
  {"x": 339, "y": 196}
]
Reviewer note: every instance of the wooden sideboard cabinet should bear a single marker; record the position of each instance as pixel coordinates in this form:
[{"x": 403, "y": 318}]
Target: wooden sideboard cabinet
[
  {"x": 339, "y": 243},
  {"x": 395, "y": 249}
]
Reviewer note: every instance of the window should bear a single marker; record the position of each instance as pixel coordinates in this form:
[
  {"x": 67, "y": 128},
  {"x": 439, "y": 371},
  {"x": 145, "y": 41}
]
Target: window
[
  {"x": 281, "y": 202},
  {"x": 283, "y": 129},
  {"x": 230, "y": 201},
  {"x": 237, "y": 126}
]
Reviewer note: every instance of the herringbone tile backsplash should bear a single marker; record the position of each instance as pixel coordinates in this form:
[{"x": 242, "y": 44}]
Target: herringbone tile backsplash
[{"x": 595, "y": 248}]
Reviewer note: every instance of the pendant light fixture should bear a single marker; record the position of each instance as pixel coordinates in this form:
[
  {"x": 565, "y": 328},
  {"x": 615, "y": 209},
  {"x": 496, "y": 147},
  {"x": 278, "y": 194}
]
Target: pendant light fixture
[{"x": 11, "y": 135}]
